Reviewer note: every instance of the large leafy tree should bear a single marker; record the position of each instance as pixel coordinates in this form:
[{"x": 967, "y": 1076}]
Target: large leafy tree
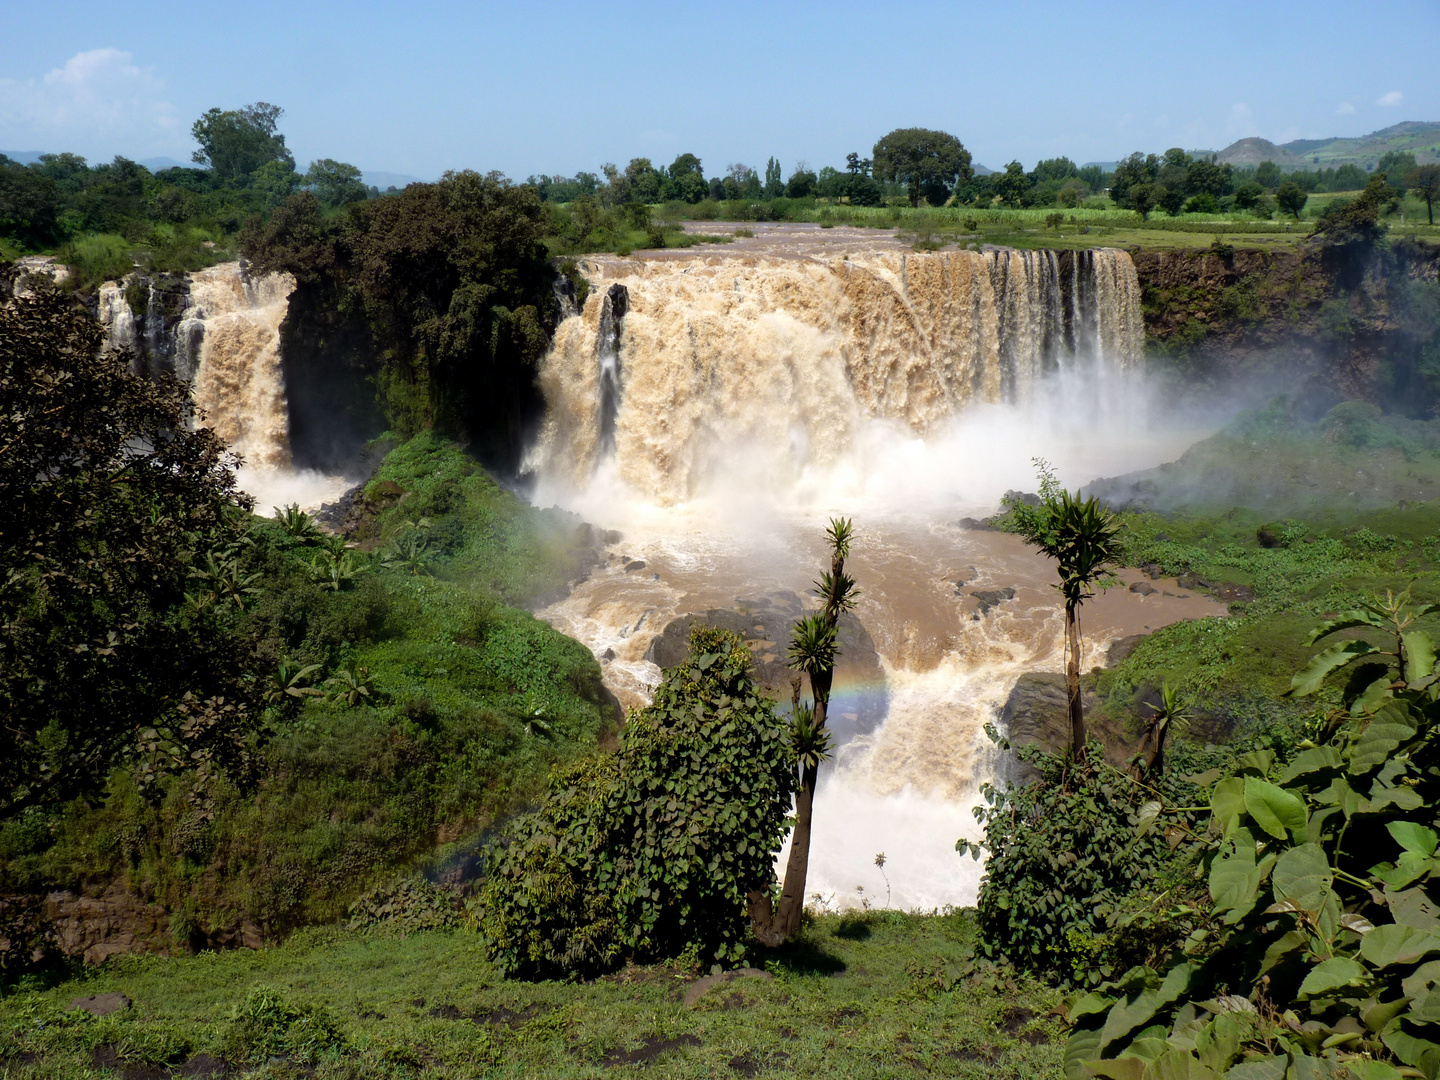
[
  {"x": 929, "y": 163},
  {"x": 29, "y": 204},
  {"x": 107, "y": 494},
  {"x": 1082, "y": 537},
  {"x": 1424, "y": 181},
  {"x": 236, "y": 142},
  {"x": 452, "y": 281},
  {"x": 335, "y": 183}
]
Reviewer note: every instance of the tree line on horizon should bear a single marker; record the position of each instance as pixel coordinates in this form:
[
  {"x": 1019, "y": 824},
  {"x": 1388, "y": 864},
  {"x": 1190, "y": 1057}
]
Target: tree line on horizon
[{"x": 183, "y": 218}]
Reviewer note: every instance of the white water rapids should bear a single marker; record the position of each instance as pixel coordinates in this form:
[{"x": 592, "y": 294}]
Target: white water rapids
[{"x": 763, "y": 391}]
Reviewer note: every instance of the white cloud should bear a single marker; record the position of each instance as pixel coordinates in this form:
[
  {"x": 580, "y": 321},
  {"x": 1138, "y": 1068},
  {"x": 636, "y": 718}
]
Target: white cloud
[
  {"x": 1345, "y": 109},
  {"x": 1393, "y": 98},
  {"x": 100, "y": 103}
]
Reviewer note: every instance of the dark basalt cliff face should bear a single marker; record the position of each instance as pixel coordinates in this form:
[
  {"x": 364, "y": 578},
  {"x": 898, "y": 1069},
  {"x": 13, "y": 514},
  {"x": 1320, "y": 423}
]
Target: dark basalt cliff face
[
  {"x": 330, "y": 365},
  {"x": 1329, "y": 322}
]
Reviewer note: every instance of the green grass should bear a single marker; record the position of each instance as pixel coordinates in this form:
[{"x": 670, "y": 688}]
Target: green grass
[
  {"x": 1351, "y": 521},
  {"x": 854, "y": 997},
  {"x": 472, "y": 701},
  {"x": 163, "y": 248}
]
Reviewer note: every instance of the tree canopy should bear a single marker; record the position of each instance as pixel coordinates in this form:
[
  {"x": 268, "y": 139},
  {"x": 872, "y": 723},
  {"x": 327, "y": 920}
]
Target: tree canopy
[
  {"x": 453, "y": 283},
  {"x": 930, "y": 163},
  {"x": 236, "y": 142},
  {"x": 108, "y": 498}
]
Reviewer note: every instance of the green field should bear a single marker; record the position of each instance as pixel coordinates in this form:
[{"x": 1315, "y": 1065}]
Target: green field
[{"x": 870, "y": 995}]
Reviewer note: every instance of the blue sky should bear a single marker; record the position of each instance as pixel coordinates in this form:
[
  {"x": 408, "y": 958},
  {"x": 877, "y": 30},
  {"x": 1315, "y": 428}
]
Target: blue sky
[{"x": 421, "y": 87}]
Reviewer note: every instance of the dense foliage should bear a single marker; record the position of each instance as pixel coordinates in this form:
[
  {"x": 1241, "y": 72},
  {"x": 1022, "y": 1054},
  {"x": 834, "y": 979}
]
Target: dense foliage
[
  {"x": 1066, "y": 874},
  {"x": 453, "y": 283},
  {"x": 407, "y": 706},
  {"x": 111, "y": 507},
  {"x": 651, "y": 854},
  {"x": 1314, "y": 951}
]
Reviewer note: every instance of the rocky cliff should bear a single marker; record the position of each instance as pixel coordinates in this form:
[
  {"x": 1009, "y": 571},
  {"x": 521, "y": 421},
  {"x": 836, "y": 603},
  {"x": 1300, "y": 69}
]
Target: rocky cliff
[{"x": 1326, "y": 322}]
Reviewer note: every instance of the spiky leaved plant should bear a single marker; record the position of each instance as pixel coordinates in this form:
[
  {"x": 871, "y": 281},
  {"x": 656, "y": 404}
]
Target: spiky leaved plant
[{"x": 814, "y": 646}]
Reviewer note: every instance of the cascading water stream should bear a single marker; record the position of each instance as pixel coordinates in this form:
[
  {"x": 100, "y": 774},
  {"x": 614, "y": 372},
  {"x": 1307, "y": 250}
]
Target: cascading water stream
[
  {"x": 224, "y": 337},
  {"x": 759, "y": 393}
]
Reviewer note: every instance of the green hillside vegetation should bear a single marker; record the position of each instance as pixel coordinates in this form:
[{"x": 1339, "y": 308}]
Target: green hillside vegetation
[
  {"x": 412, "y": 703},
  {"x": 1421, "y": 140},
  {"x": 871, "y": 995}
]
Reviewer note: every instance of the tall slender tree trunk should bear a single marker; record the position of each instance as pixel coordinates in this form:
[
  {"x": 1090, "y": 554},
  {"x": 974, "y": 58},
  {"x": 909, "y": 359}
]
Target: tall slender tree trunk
[
  {"x": 773, "y": 925},
  {"x": 1072, "y": 682}
]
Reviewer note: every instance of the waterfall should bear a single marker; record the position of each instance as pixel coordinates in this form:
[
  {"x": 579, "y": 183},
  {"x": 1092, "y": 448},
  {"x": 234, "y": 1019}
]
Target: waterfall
[
  {"x": 230, "y": 337},
  {"x": 607, "y": 355},
  {"x": 715, "y": 411},
  {"x": 791, "y": 356},
  {"x": 219, "y": 329}
]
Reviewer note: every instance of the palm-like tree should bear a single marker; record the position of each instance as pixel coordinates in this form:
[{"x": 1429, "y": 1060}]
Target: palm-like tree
[
  {"x": 813, "y": 650},
  {"x": 1083, "y": 538},
  {"x": 298, "y": 524},
  {"x": 288, "y": 681},
  {"x": 1172, "y": 713}
]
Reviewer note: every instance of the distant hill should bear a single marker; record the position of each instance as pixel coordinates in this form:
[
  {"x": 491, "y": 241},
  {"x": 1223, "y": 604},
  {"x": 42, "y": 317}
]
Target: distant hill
[
  {"x": 1254, "y": 151},
  {"x": 1416, "y": 137},
  {"x": 24, "y": 157}
]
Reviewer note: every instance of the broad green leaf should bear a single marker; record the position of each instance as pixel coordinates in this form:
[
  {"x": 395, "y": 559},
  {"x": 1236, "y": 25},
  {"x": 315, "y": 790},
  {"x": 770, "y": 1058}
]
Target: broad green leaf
[
  {"x": 1422, "y": 979},
  {"x": 1082, "y": 1047},
  {"x": 1234, "y": 877},
  {"x": 1133, "y": 1012},
  {"x": 1425, "y": 1009},
  {"x": 1401, "y": 796},
  {"x": 1411, "y": 1049},
  {"x": 1303, "y": 874},
  {"x": 1314, "y": 1068},
  {"x": 1374, "y": 696},
  {"x": 1145, "y": 820},
  {"x": 1332, "y": 975},
  {"x": 1179, "y": 1065},
  {"x": 1274, "y": 809},
  {"x": 1391, "y": 726},
  {"x": 1260, "y": 1068},
  {"x": 1396, "y": 944},
  {"x": 1376, "y": 1015},
  {"x": 1346, "y": 621},
  {"x": 1256, "y": 761},
  {"x": 1365, "y": 1069},
  {"x": 1419, "y": 655},
  {"x": 1227, "y": 803},
  {"x": 1413, "y": 907},
  {"x": 1312, "y": 676},
  {"x": 1413, "y": 836},
  {"x": 1217, "y": 1044},
  {"x": 1310, "y": 761}
]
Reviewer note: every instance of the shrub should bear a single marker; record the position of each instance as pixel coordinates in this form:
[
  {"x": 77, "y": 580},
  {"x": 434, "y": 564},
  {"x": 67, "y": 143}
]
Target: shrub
[
  {"x": 651, "y": 854},
  {"x": 1067, "y": 872},
  {"x": 1313, "y": 953}
]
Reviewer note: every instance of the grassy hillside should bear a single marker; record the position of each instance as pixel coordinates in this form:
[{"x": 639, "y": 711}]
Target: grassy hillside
[{"x": 437, "y": 705}]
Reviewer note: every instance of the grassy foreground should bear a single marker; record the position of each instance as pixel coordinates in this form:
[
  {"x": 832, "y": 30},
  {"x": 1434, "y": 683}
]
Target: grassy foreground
[{"x": 856, "y": 996}]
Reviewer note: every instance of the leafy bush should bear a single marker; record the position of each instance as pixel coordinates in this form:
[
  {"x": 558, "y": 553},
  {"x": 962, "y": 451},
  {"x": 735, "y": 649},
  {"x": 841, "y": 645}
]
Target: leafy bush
[
  {"x": 1067, "y": 873},
  {"x": 406, "y": 905},
  {"x": 1316, "y": 954},
  {"x": 651, "y": 854}
]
